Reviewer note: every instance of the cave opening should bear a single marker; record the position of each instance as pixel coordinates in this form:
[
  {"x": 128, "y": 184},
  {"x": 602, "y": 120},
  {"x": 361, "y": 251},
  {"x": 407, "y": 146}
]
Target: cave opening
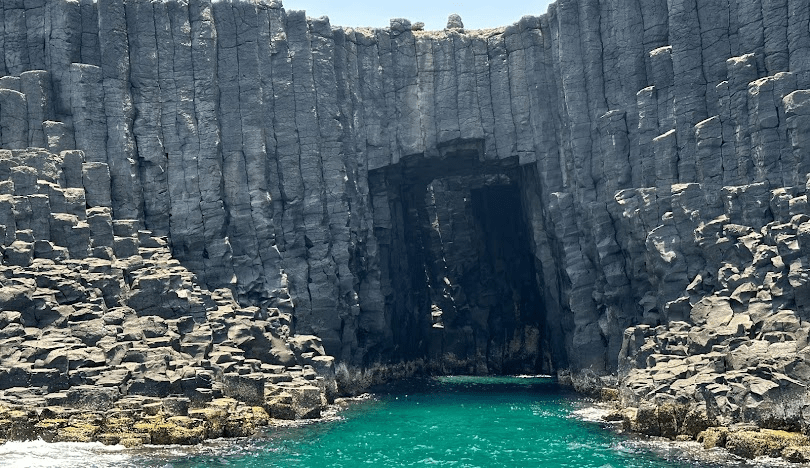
[{"x": 458, "y": 273}]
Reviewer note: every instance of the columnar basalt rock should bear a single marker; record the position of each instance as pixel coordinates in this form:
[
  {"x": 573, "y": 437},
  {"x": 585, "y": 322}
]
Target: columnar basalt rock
[
  {"x": 655, "y": 150},
  {"x": 96, "y": 315}
]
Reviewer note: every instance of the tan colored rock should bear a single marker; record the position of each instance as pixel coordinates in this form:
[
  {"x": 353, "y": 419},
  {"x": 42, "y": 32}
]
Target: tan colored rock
[
  {"x": 713, "y": 437},
  {"x": 767, "y": 442}
]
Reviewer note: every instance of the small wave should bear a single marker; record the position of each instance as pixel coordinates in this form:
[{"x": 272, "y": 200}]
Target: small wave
[
  {"x": 692, "y": 453},
  {"x": 768, "y": 461},
  {"x": 591, "y": 413},
  {"x": 361, "y": 397},
  {"x": 41, "y": 454}
]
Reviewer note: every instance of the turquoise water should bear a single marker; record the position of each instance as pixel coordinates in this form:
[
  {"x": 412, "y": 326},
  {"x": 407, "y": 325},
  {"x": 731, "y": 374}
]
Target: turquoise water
[
  {"x": 448, "y": 422},
  {"x": 453, "y": 421}
]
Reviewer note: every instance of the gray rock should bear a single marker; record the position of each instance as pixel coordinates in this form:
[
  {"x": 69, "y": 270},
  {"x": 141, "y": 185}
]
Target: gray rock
[
  {"x": 96, "y": 182},
  {"x": 19, "y": 253},
  {"x": 91, "y": 397},
  {"x": 454, "y": 22},
  {"x": 14, "y": 115},
  {"x": 247, "y": 388},
  {"x": 352, "y": 184},
  {"x": 57, "y": 136}
]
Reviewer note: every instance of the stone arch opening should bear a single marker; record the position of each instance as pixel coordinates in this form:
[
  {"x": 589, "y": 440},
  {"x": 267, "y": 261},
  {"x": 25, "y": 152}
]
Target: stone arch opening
[{"x": 459, "y": 282}]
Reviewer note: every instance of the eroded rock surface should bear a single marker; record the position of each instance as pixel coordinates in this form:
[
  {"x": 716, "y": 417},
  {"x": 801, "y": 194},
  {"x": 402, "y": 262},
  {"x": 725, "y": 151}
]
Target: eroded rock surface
[
  {"x": 100, "y": 324},
  {"x": 346, "y": 183}
]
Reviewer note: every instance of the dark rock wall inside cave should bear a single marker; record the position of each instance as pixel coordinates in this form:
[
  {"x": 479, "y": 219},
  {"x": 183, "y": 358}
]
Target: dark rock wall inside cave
[
  {"x": 482, "y": 276},
  {"x": 289, "y": 160},
  {"x": 464, "y": 289}
]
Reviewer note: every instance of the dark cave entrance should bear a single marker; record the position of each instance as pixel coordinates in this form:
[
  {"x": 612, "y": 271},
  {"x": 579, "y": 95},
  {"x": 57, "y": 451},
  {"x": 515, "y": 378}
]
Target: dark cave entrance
[{"x": 458, "y": 273}]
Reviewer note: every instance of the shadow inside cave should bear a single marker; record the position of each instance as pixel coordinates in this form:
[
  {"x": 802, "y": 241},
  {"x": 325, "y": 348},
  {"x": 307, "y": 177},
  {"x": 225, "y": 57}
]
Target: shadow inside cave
[{"x": 458, "y": 273}]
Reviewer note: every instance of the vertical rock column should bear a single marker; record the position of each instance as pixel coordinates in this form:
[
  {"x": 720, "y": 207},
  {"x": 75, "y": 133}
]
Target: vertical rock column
[
  {"x": 767, "y": 128},
  {"x": 389, "y": 123},
  {"x": 425, "y": 89},
  {"x": 715, "y": 24},
  {"x": 287, "y": 152},
  {"x": 595, "y": 64},
  {"x": 798, "y": 41},
  {"x": 315, "y": 278},
  {"x": 519, "y": 92},
  {"x": 269, "y": 243},
  {"x": 666, "y": 162},
  {"x": 775, "y": 26},
  {"x": 252, "y": 114},
  {"x": 709, "y": 155},
  {"x": 728, "y": 142},
  {"x": 121, "y": 153},
  {"x": 585, "y": 344},
  {"x": 644, "y": 171},
  {"x": 146, "y": 128},
  {"x": 541, "y": 97},
  {"x": 469, "y": 106},
  {"x": 89, "y": 121},
  {"x": 409, "y": 125},
  {"x": 36, "y": 85},
  {"x": 741, "y": 71},
  {"x": 797, "y": 113},
  {"x": 751, "y": 32},
  {"x": 90, "y": 48},
  {"x": 623, "y": 73},
  {"x": 236, "y": 74},
  {"x": 337, "y": 280},
  {"x": 35, "y": 33},
  {"x": 481, "y": 70},
  {"x": 63, "y": 20},
  {"x": 575, "y": 78},
  {"x": 445, "y": 97},
  {"x": 689, "y": 87},
  {"x": 15, "y": 39},
  {"x": 290, "y": 135},
  {"x": 2, "y": 41},
  {"x": 504, "y": 129},
  {"x": 374, "y": 106},
  {"x": 217, "y": 253},
  {"x": 615, "y": 151},
  {"x": 13, "y": 119},
  {"x": 364, "y": 249}
]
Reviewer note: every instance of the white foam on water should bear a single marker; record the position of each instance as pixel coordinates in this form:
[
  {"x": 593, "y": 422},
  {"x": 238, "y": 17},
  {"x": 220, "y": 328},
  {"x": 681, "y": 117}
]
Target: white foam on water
[
  {"x": 39, "y": 454},
  {"x": 591, "y": 413}
]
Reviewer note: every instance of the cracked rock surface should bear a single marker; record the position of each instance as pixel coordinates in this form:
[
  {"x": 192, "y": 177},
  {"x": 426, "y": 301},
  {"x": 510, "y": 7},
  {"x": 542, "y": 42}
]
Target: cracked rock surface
[
  {"x": 98, "y": 321},
  {"x": 609, "y": 186}
]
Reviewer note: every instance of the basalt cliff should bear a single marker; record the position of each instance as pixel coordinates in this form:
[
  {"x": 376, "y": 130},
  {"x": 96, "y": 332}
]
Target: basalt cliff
[{"x": 212, "y": 198}]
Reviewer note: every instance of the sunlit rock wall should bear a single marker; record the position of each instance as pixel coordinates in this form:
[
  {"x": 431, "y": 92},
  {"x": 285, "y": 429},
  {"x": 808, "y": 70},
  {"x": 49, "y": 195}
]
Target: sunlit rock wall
[{"x": 274, "y": 149}]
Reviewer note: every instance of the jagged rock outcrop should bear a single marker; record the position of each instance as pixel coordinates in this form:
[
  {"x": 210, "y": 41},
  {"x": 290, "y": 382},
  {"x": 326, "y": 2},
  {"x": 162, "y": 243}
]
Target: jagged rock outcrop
[
  {"x": 97, "y": 319},
  {"x": 354, "y": 177}
]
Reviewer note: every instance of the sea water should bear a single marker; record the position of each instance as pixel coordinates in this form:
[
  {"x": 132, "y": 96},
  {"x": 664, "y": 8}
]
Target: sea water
[{"x": 447, "y": 421}]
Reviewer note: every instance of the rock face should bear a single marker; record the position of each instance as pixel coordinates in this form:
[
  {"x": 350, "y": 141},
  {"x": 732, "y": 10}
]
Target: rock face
[
  {"x": 504, "y": 200},
  {"x": 97, "y": 316}
]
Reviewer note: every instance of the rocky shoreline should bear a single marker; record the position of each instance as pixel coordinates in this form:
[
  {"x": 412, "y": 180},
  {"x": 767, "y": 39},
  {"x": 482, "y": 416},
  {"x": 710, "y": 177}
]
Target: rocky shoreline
[
  {"x": 681, "y": 423},
  {"x": 730, "y": 366}
]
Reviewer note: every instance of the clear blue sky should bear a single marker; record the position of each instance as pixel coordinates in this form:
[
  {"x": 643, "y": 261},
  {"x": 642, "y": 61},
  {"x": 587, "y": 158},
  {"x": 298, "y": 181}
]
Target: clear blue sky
[{"x": 476, "y": 14}]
